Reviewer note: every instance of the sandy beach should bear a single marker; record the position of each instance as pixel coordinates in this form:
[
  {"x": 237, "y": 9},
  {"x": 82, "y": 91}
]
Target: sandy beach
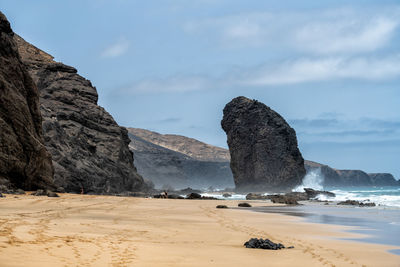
[{"x": 83, "y": 230}]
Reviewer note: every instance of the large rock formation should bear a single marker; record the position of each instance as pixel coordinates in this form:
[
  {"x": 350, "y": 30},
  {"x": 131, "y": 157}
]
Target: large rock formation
[
  {"x": 24, "y": 160},
  {"x": 90, "y": 151},
  {"x": 179, "y": 162},
  {"x": 263, "y": 147}
]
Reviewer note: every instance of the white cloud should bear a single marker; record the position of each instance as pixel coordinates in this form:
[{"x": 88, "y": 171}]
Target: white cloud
[
  {"x": 322, "y": 69},
  {"x": 318, "y": 32},
  {"x": 171, "y": 84},
  {"x": 346, "y": 35},
  {"x": 117, "y": 49},
  {"x": 286, "y": 73}
]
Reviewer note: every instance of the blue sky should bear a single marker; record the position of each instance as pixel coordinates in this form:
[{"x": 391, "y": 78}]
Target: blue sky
[{"x": 331, "y": 68}]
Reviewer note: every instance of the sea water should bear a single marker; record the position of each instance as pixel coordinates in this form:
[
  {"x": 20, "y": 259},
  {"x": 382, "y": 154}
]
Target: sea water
[
  {"x": 383, "y": 197},
  {"x": 386, "y": 196}
]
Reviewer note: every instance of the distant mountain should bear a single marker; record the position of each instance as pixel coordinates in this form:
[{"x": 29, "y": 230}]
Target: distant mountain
[
  {"x": 334, "y": 177},
  {"x": 178, "y": 161},
  {"x": 188, "y": 146}
]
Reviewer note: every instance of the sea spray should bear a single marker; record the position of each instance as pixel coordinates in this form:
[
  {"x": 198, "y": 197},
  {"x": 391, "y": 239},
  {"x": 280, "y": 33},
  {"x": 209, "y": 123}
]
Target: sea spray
[{"x": 313, "y": 179}]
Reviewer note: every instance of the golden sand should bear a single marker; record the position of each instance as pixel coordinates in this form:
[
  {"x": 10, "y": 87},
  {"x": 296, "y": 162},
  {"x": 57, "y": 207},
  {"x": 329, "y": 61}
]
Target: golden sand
[{"x": 81, "y": 230}]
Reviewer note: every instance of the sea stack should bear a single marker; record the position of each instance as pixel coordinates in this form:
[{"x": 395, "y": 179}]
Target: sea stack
[
  {"x": 89, "y": 149},
  {"x": 24, "y": 160},
  {"x": 263, "y": 147}
]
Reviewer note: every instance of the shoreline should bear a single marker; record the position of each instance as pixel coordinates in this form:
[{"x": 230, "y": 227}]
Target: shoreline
[
  {"x": 379, "y": 225},
  {"x": 89, "y": 230}
]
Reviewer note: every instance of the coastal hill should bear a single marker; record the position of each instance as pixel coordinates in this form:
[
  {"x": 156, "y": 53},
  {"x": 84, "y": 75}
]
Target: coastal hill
[
  {"x": 168, "y": 160},
  {"x": 185, "y": 145},
  {"x": 89, "y": 149},
  {"x": 334, "y": 177},
  {"x": 178, "y": 161},
  {"x": 24, "y": 160}
]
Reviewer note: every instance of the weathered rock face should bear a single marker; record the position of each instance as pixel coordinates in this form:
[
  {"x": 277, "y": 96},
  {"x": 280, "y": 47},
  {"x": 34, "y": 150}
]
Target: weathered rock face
[
  {"x": 263, "y": 147},
  {"x": 178, "y": 161},
  {"x": 24, "y": 161},
  {"x": 90, "y": 151}
]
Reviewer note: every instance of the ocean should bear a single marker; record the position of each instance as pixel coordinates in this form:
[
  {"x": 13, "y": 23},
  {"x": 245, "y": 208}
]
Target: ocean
[{"x": 383, "y": 197}]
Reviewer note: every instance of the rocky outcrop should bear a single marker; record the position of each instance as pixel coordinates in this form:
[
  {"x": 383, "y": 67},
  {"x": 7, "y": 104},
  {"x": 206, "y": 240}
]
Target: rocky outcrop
[
  {"x": 178, "y": 162},
  {"x": 90, "y": 151},
  {"x": 311, "y": 193},
  {"x": 24, "y": 161},
  {"x": 357, "y": 203},
  {"x": 263, "y": 147}
]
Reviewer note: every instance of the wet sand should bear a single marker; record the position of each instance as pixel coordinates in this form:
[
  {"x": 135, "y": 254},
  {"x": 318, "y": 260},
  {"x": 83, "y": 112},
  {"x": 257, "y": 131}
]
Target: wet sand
[
  {"x": 81, "y": 230},
  {"x": 380, "y": 224}
]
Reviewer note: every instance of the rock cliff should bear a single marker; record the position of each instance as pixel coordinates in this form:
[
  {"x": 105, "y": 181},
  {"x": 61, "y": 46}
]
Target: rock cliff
[
  {"x": 263, "y": 147},
  {"x": 178, "y": 161},
  {"x": 24, "y": 161},
  {"x": 337, "y": 178},
  {"x": 90, "y": 151},
  {"x": 383, "y": 179}
]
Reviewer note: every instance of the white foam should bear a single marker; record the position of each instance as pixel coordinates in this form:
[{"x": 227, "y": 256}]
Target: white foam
[
  {"x": 384, "y": 200},
  {"x": 313, "y": 179},
  {"x": 220, "y": 196}
]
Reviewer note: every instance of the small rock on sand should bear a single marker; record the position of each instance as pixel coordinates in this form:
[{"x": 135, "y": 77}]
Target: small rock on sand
[{"x": 263, "y": 244}]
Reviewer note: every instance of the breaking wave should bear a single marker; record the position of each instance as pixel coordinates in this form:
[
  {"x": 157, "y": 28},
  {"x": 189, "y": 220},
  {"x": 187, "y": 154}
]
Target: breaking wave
[{"x": 313, "y": 179}]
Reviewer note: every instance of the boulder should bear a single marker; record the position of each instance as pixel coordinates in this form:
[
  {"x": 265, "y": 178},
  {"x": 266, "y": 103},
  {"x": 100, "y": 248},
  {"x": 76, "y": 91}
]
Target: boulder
[
  {"x": 311, "y": 193},
  {"x": 244, "y": 205},
  {"x": 254, "y": 196},
  {"x": 226, "y": 195},
  {"x": 24, "y": 160},
  {"x": 263, "y": 147},
  {"x": 39, "y": 192},
  {"x": 283, "y": 199},
  {"x": 6, "y": 190},
  {"x": 221, "y": 206},
  {"x": 299, "y": 196},
  {"x": 263, "y": 244},
  {"x": 52, "y": 194},
  {"x": 193, "y": 196},
  {"x": 357, "y": 203}
]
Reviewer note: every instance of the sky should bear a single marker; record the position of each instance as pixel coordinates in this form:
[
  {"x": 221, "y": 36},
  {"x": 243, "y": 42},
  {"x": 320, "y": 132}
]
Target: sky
[{"x": 330, "y": 68}]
